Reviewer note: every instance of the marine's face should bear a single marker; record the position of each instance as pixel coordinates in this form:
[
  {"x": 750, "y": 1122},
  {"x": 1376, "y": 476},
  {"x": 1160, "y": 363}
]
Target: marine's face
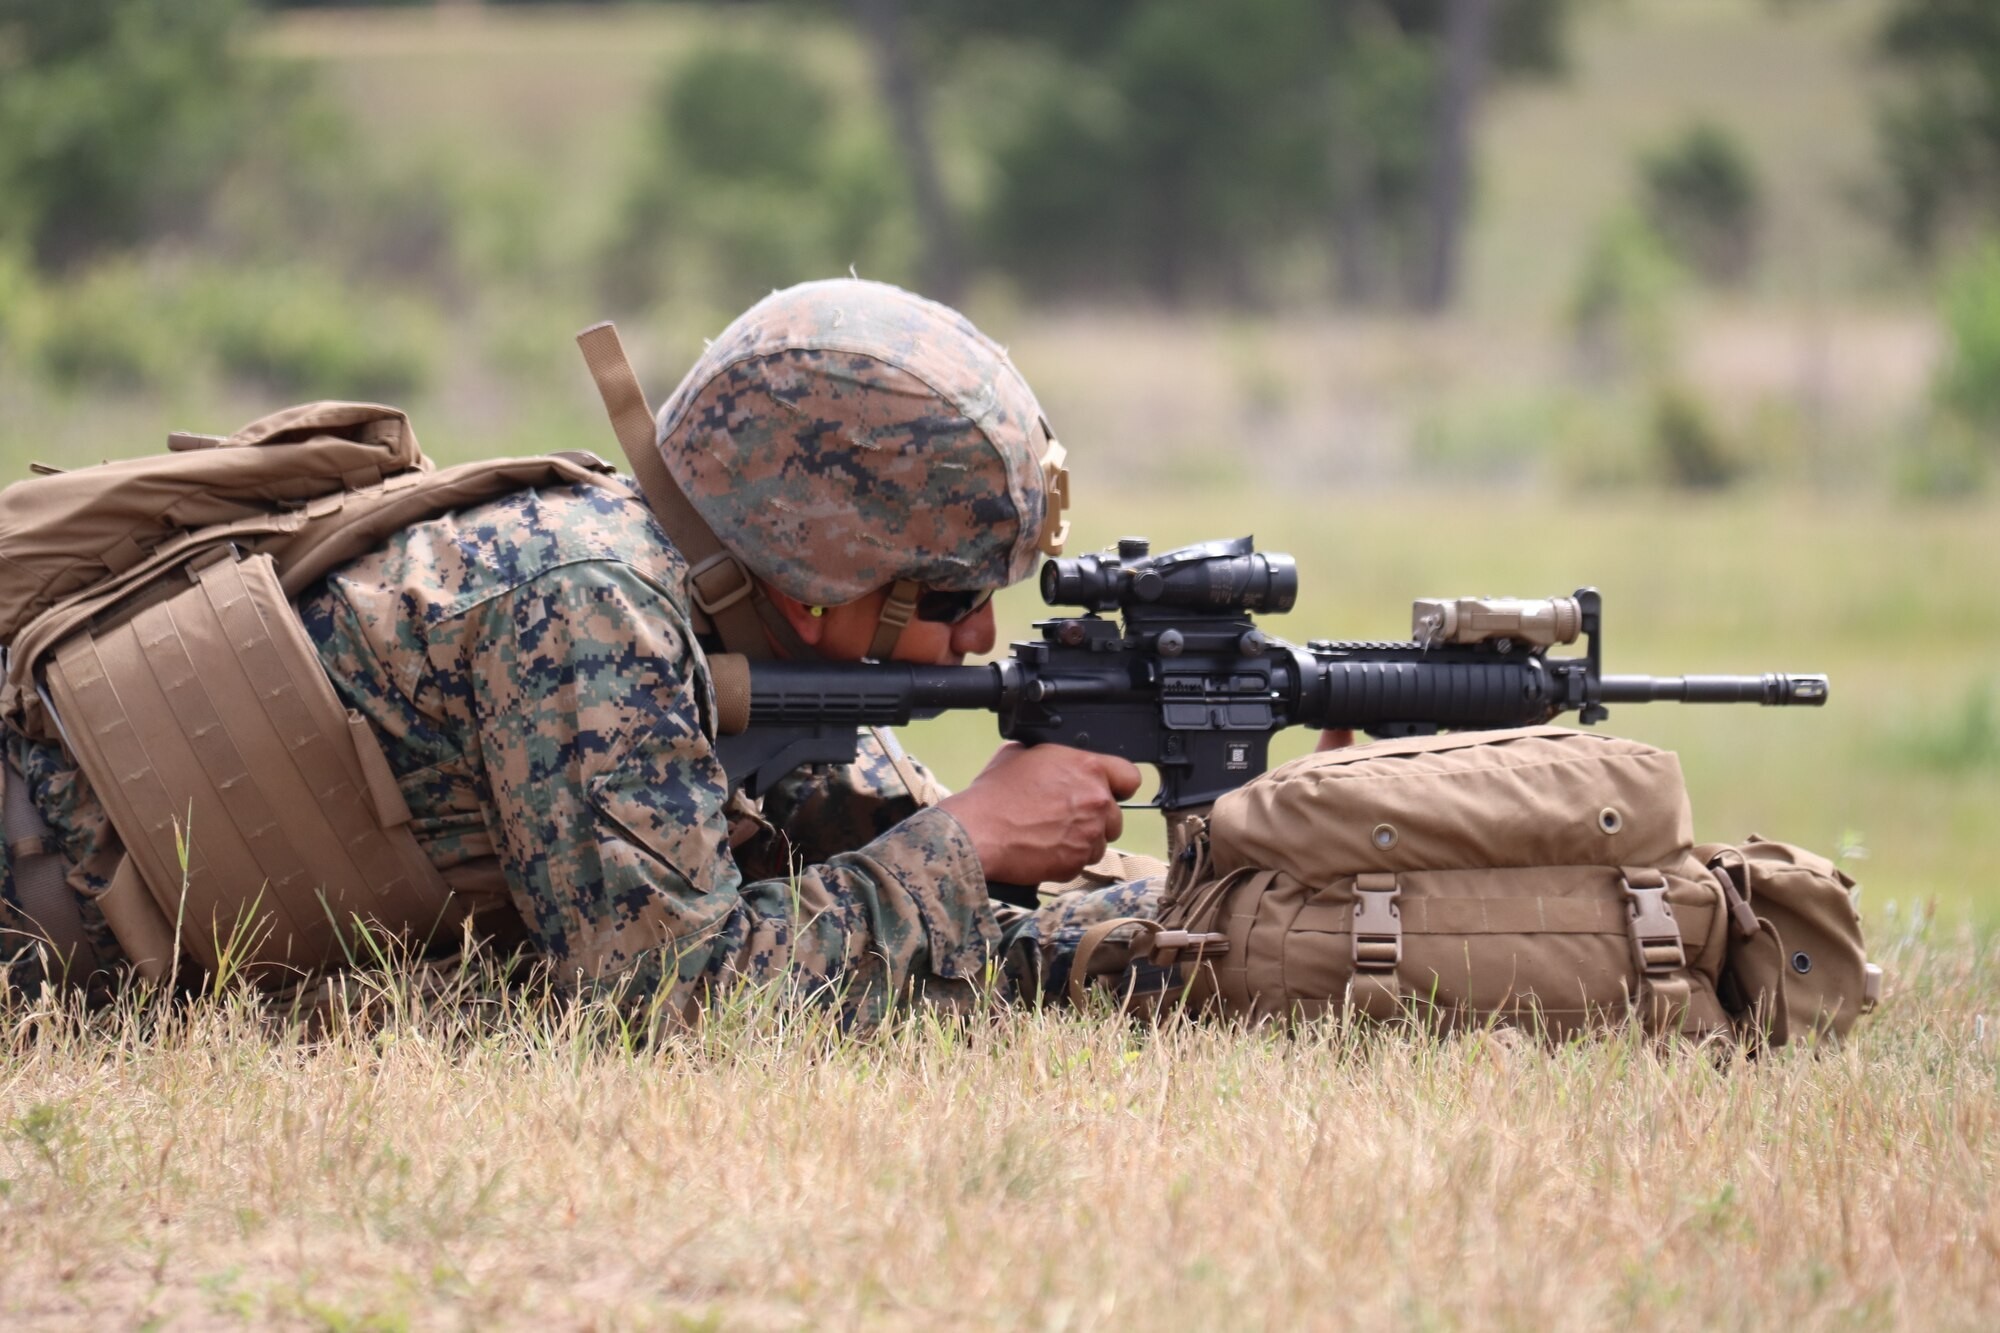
[
  {"x": 843, "y": 633},
  {"x": 849, "y": 629}
]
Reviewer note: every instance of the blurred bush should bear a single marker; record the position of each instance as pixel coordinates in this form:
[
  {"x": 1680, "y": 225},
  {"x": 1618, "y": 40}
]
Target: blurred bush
[
  {"x": 1689, "y": 448},
  {"x": 110, "y": 328},
  {"x": 1191, "y": 151},
  {"x": 1621, "y": 307},
  {"x": 1702, "y": 195},
  {"x": 1961, "y": 740},
  {"x": 307, "y": 333},
  {"x": 1656, "y": 428},
  {"x": 758, "y": 176},
  {"x": 124, "y": 326},
  {"x": 1953, "y": 454},
  {"x": 1969, "y": 384}
]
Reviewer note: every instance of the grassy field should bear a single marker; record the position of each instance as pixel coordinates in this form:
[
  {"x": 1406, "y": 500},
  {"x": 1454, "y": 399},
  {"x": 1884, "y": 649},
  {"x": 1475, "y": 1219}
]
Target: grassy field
[{"x": 1038, "y": 1171}]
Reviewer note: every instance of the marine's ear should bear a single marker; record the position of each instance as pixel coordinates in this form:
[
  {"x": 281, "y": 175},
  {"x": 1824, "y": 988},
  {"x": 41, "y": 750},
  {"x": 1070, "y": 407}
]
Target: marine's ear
[{"x": 809, "y": 627}]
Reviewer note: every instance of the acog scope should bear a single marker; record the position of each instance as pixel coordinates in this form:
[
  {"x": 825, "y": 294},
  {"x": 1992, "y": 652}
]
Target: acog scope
[{"x": 1218, "y": 576}]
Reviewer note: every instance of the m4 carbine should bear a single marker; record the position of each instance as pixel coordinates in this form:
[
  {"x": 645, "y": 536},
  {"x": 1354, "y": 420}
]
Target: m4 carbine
[{"x": 1184, "y": 680}]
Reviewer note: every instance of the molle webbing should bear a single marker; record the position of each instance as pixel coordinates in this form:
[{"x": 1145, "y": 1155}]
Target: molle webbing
[{"x": 255, "y": 807}]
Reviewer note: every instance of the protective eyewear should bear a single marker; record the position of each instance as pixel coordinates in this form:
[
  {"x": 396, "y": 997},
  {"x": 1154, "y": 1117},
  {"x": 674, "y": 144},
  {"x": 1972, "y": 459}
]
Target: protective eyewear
[{"x": 948, "y": 608}]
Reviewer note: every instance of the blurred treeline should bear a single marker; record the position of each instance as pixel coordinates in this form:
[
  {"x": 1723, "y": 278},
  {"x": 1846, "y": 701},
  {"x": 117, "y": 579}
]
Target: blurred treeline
[{"x": 178, "y": 205}]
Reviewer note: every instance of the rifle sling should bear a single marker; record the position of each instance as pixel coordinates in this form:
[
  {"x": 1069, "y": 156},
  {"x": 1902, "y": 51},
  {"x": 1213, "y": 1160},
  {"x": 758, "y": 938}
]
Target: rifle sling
[{"x": 718, "y": 584}]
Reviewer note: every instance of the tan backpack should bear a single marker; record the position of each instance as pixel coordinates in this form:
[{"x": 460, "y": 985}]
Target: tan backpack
[
  {"x": 1540, "y": 877},
  {"x": 146, "y": 611}
]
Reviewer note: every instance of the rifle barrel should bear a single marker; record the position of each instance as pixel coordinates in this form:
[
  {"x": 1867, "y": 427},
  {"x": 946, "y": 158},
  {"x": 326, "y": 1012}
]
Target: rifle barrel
[{"x": 1772, "y": 689}]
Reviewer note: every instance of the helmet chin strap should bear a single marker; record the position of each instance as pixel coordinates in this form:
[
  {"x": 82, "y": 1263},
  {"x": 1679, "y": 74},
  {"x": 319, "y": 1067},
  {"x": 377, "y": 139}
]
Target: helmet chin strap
[{"x": 896, "y": 613}]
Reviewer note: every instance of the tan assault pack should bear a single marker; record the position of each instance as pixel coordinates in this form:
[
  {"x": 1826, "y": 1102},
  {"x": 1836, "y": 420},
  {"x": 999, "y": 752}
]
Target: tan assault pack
[
  {"x": 1540, "y": 877},
  {"x": 146, "y": 611}
]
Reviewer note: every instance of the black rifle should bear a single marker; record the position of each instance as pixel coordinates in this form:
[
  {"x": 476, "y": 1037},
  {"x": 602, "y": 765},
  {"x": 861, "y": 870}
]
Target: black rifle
[{"x": 1185, "y": 681}]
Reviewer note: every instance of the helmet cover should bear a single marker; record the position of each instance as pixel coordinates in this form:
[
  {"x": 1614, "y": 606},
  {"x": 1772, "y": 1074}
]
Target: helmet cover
[{"x": 843, "y": 434}]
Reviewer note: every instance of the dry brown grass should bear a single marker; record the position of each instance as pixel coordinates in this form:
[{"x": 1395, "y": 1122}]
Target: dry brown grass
[{"x": 1036, "y": 1171}]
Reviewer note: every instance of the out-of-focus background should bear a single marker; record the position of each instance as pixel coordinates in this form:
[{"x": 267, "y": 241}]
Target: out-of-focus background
[{"x": 1695, "y": 300}]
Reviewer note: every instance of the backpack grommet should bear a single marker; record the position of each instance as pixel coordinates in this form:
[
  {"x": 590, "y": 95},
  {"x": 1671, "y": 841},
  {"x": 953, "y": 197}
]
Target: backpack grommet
[
  {"x": 1610, "y": 820},
  {"x": 1384, "y": 836},
  {"x": 1802, "y": 962}
]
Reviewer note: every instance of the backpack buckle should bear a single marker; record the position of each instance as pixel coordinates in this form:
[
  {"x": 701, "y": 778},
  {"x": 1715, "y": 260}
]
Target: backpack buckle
[
  {"x": 714, "y": 594},
  {"x": 1656, "y": 936},
  {"x": 1378, "y": 923},
  {"x": 1203, "y": 943}
]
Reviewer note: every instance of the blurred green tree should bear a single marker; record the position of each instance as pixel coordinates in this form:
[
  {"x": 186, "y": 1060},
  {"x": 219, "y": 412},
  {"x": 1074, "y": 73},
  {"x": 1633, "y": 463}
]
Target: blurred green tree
[
  {"x": 1701, "y": 194},
  {"x": 117, "y": 119},
  {"x": 755, "y": 177},
  {"x": 1191, "y": 150},
  {"x": 1166, "y": 158},
  {"x": 1940, "y": 138},
  {"x": 886, "y": 27}
]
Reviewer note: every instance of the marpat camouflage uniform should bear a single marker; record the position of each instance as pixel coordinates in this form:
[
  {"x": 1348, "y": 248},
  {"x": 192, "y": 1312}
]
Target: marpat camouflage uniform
[
  {"x": 529, "y": 669},
  {"x": 532, "y": 672}
]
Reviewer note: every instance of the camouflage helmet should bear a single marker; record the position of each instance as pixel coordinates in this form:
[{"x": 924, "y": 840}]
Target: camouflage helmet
[{"x": 841, "y": 436}]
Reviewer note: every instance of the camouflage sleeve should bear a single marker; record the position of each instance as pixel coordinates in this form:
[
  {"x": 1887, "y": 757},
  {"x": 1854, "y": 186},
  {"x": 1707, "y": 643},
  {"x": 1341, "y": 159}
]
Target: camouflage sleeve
[
  {"x": 607, "y": 803},
  {"x": 80, "y": 826},
  {"x": 821, "y": 814}
]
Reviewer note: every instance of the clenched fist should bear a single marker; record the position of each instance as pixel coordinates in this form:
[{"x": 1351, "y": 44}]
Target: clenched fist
[{"x": 1043, "y": 812}]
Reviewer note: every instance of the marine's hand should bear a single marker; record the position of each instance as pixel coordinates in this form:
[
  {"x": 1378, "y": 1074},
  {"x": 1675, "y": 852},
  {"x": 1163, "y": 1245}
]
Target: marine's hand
[
  {"x": 1043, "y": 812},
  {"x": 1334, "y": 739}
]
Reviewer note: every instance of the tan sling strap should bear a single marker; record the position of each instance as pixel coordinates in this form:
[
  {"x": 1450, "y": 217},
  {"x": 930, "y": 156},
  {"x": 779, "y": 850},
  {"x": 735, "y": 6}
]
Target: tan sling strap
[
  {"x": 896, "y": 613},
  {"x": 1086, "y": 962},
  {"x": 1157, "y": 944},
  {"x": 718, "y": 584},
  {"x": 260, "y": 812},
  {"x": 1150, "y": 941},
  {"x": 41, "y": 882},
  {"x": 1763, "y": 954}
]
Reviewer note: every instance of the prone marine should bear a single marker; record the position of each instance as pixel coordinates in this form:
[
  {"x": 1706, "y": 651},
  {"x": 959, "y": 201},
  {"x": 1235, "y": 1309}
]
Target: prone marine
[{"x": 534, "y": 670}]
